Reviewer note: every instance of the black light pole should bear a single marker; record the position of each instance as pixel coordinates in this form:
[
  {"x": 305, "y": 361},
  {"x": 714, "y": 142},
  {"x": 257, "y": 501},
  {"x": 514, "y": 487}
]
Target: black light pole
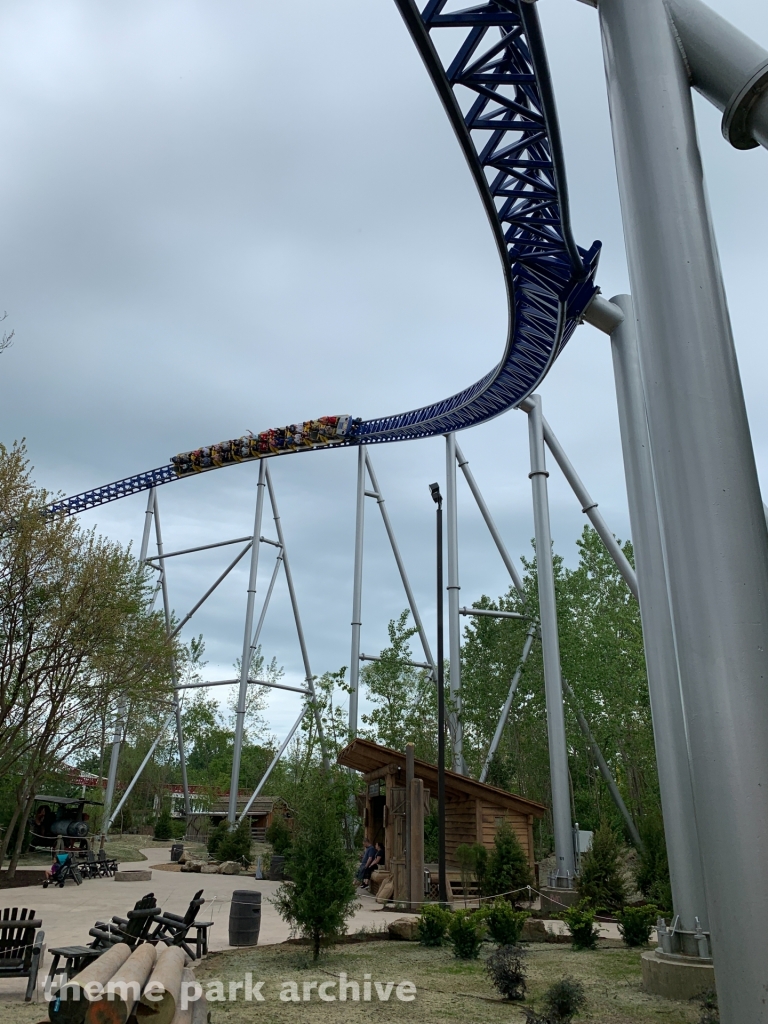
[{"x": 434, "y": 490}]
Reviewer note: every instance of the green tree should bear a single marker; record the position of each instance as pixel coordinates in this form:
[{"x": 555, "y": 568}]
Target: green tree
[
  {"x": 404, "y": 698},
  {"x": 322, "y": 894},
  {"x": 601, "y": 881},
  {"x": 653, "y": 868},
  {"x": 279, "y": 836},
  {"x": 163, "y": 825},
  {"x": 507, "y": 868},
  {"x": 77, "y": 638},
  {"x": 602, "y": 656},
  {"x": 235, "y": 844}
]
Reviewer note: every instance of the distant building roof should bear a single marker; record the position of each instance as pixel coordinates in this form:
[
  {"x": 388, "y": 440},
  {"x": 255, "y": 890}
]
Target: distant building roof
[{"x": 365, "y": 756}]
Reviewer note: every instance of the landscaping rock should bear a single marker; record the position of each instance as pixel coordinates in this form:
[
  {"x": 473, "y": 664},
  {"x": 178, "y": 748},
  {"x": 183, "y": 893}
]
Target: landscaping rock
[
  {"x": 534, "y": 930},
  {"x": 192, "y": 865},
  {"x": 183, "y": 858},
  {"x": 133, "y": 876},
  {"x": 405, "y": 928},
  {"x": 229, "y": 867},
  {"x": 209, "y": 869}
]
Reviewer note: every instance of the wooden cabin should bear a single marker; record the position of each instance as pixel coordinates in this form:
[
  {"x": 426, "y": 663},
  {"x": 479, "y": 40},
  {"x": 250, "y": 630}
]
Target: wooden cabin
[
  {"x": 261, "y": 814},
  {"x": 473, "y": 810}
]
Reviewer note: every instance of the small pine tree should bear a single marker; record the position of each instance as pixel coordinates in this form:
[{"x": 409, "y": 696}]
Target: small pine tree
[
  {"x": 216, "y": 838},
  {"x": 601, "y": 881},
  {"x": 163, "y": 826},
  {"x": 507, "y": 868},
  {"x": 279, "y": 836},
  {"x": 322, "y": 894},
  {"x": 236, "y": 844}
]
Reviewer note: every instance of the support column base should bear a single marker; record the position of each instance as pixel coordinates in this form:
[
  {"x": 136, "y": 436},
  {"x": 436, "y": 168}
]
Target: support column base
[
  {"x": 554, "y": 900},
  {"x": 676, "y": 977}
]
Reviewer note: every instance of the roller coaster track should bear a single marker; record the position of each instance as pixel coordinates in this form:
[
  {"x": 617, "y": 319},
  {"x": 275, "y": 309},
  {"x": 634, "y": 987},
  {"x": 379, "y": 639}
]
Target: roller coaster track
[{"x": 490, "y": 71}]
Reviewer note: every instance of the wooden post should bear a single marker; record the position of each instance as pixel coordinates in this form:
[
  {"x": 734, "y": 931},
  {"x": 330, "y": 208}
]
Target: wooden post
[
  {"x": 69, "y": 1005},
  {"x": 124, "y": 987},
  {"x": 409, "y": 777},
  {"x": 163, "y": 990},
  {"x": 416, "y": 844}
]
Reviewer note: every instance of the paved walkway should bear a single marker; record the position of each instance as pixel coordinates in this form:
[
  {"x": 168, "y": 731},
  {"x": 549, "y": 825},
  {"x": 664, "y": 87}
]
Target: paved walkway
[{"x": 68, "y": 913}]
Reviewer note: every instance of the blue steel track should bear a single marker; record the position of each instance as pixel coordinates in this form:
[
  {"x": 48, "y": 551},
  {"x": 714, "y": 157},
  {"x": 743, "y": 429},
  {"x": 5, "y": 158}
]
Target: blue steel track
[{"x": 495, "y": 87}]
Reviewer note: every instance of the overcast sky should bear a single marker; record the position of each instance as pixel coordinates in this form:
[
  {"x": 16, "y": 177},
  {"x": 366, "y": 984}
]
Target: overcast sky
[{"x": 219, "y": 215}]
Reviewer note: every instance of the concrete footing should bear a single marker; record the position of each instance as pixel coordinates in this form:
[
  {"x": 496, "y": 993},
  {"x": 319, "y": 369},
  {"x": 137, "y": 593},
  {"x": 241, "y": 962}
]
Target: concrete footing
[
  {"x": 555, "y": 900},
  {"x": 676, "y": 977}
]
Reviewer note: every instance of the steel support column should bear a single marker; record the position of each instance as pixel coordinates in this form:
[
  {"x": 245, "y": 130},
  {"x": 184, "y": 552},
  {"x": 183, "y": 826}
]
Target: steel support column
[
  {"x": 550, "y": 644},
  {"x": 669, "y": 729},
  {"x": 122, "y": 709},
  {"x": 297, "y": 618},
  {"x": 454, "y": 622},
  {"x": 710, "y": 509},
  {"x": 174, "y": 674},
  {"x": 357, "y": 595},
  {"x": 245, "y": 663}
]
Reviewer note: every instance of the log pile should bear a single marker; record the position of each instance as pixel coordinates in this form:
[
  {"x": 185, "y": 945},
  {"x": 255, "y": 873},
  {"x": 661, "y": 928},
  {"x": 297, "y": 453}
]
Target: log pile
[{"x": 143, "y": 985}]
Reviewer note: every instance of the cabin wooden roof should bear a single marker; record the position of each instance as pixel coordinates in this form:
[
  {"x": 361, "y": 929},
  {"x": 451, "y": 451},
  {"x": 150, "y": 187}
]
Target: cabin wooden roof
[{"x": 365, "y": 756}]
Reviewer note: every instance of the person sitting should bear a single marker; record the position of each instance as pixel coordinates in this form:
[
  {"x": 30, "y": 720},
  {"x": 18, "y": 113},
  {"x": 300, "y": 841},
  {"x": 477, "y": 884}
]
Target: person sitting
[
  {"x": 377, "y": 861},
  {"x": 368, "y": 854}
]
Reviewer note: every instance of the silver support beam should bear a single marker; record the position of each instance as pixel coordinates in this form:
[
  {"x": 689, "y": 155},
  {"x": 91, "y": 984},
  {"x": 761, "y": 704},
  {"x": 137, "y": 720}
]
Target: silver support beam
[
  {"x": 174, "y": 674},
  {"x": 413, "y": 664},
  {"x": 481, "y": 612},
  {"x": 251, "y": 682},
  {"x": 710, "y": 508},
  {"x": 357, "y": 595},
  {"x": 689, "y": 897},
  {"x": 122, "y": 709},
  {"x": 142, "y": 766},
  {"x": 274, "y": 761},
  {"x": 558, "y": 751},
  {"x": 588, "y": 504},
  {"x": 454, "y": 624},
  {"x": 297, "y": 618},
  {"x": 235, "y": 561},
  {"x": 605, "y": 771},
  {"x": 245, "y": 663},
  {"x": 400, "y": 565},
  {"x": 267, "y": 599},
  {"x": 201, "y": 547},
  {"x": 530, "y": 637},
  {"x": 489, "y": 522}
]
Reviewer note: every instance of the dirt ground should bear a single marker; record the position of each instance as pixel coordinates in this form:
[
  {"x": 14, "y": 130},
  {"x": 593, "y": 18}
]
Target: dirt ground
[{"x": 447, "y": 989}]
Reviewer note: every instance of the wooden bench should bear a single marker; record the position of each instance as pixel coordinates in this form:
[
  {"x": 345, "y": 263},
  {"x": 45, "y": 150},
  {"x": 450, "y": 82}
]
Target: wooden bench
[{"x": 21, "y": 946}]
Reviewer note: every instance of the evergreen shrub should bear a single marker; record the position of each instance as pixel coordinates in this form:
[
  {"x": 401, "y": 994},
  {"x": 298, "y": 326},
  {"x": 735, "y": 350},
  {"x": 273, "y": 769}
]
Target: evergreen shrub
[
  {"x": 466, "y": 929},
  {"x": 505, "y": 924},
  {"x": 636, "y": 924},
  {"x": 580, "y": 921},
  {"x": 433, "y": 924}
]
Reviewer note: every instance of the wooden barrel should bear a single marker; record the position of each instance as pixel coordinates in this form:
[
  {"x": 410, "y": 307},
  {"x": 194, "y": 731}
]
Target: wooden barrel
[{"x": 244, "y": 918}]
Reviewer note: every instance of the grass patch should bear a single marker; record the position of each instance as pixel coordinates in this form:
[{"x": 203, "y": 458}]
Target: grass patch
[
  {"x": 447, "y": 989},
  {"x": 124, "y": 848}
]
